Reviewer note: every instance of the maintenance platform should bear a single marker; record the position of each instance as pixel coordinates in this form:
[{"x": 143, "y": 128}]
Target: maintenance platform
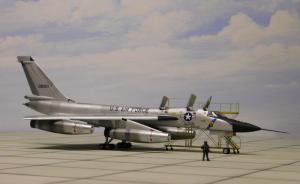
[{"x": 41, "y": 157}]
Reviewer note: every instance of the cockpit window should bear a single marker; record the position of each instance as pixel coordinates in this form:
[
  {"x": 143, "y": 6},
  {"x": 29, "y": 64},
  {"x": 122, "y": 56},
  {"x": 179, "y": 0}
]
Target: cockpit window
[{"x": 211, "y": 114}]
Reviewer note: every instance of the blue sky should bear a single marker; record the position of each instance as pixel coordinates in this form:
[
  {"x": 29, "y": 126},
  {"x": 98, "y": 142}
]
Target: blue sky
[{"x": 135, "y": 51}]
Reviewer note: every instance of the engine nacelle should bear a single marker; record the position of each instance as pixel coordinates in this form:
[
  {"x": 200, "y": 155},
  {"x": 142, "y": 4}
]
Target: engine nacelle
[
  {"x": 179, "y": 133},
  {"x": 63, "y": 126},
  {"x": 136, "y": 135}
]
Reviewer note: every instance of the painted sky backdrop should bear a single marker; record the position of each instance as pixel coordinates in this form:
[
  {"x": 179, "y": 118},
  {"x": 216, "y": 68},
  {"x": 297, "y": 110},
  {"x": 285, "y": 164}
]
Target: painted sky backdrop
[{"x": 135, "y": 51}]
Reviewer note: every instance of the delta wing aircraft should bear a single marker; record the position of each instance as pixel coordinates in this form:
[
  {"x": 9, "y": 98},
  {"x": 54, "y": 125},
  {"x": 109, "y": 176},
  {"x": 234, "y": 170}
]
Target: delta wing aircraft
[{"x": 128, "y": 124}]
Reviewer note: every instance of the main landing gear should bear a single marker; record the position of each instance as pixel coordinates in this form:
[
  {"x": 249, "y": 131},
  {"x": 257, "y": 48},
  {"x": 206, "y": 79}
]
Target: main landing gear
[
  {"x": 120, "y": 145},
  {"x": 107, "y": 144},
  {"x": 169, "y": 147}
]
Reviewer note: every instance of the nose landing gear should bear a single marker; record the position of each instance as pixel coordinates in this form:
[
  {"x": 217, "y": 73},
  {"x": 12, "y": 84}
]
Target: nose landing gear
[
  {"x": 226, "y": 150},
  {"x": 169, "y": 147}
]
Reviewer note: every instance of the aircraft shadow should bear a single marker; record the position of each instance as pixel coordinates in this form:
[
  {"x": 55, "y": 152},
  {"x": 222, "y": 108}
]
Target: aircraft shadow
[
  {"x": 90, "y": 147},
  {"x": 134, "y": 148}
]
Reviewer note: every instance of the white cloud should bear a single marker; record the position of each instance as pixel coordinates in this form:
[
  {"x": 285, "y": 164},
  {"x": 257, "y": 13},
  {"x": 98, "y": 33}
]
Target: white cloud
[
  {"x": 265, "y": 59},
  {"x": 14, "y": 44},
  {"x": 161, "y": 27},
  {"x": 89, "y": 15},
  {"x": 243, "y": 32},
  {"x": 137, "y": 8},
  {"x": 241, "y": 46},
  {"x": 63, "y": 11},
  {"x": 284, "y": 24},
  {"x": 136, "y": 61},
  {"x": 244, "y": 46}
]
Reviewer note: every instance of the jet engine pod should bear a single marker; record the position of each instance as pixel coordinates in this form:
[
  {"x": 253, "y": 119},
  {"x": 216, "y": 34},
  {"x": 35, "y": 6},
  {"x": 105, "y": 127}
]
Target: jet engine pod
[
  {"x": 179, "y": 133},
  {"x": 136, "y": 135},
  {"x": 63, "y": 126}
]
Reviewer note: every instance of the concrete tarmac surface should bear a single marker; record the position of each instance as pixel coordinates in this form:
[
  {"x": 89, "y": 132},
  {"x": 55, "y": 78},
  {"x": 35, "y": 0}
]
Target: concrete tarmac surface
[{"x": 39, "y": 157}]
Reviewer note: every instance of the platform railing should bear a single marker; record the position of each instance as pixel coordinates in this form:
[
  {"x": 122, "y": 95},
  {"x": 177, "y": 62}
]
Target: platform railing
[{"x": 224, "y": 108}]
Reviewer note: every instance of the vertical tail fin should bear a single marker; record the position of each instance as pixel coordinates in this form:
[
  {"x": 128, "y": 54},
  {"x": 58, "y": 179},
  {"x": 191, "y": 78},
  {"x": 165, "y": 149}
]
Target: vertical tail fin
[
  {"x": 206, "y": 105},
  {"x": 191, "y": 102},
  {"x": 39, "y": 83},
  {"x": 164, "y": 103}
]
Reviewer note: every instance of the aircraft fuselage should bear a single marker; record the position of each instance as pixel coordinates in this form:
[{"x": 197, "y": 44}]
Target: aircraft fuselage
[{"x": 197, "y": 119}]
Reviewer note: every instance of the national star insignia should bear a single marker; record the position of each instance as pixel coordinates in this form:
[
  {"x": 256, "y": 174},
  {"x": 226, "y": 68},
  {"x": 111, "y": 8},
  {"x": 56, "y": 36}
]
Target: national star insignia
[{"x": 188, "y": 116}]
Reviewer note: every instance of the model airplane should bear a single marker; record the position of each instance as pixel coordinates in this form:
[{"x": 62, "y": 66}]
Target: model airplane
[{"x": 125, "y": 123}]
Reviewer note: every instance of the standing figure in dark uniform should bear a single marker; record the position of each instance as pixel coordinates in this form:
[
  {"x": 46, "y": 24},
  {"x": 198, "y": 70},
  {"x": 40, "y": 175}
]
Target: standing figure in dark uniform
[{"x": 205, "y": 149}]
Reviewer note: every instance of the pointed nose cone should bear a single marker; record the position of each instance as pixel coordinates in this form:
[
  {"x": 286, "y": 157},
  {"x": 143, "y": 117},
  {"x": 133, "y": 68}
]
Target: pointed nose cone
[
  {"x": 26, "y": 104},
  {"x": 239, "y": 126}
]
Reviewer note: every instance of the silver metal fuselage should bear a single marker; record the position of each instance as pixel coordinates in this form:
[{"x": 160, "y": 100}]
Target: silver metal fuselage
[{"x": 51, "y": 107}]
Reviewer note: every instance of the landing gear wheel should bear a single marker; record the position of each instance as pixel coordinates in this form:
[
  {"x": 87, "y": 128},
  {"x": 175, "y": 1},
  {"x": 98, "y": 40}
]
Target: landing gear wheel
[
  {"x": 169, "y": 146},
  {"x": 128, "y": 145},
  {"x": 226, "y": 150},
  {"x": 125, "y": 145},
  {"x": 106, "y": 146},
  {"x": 111, "y": 146}
]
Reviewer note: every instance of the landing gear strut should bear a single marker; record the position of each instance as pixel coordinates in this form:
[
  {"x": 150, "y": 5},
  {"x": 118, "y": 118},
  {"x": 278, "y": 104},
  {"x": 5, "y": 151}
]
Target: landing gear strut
[{"x": 107, "y": 144}]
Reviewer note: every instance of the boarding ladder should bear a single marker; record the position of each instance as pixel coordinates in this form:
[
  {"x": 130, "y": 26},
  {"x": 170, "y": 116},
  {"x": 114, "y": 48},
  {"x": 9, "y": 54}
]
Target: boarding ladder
[{"x": 235, "y": 147}]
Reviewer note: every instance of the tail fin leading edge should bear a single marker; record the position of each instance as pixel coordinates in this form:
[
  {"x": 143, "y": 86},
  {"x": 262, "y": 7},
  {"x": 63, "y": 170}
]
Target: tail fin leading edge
[{"x": 38, "y": 81}]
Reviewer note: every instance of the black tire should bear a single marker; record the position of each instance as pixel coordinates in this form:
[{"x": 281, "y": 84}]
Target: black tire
[
  {"x": 128, "y": 145},
  {"x": 111, "y": 146},
  {"x": 123, "y": 145},
  {"x": 119, "y": 145},
  {"x": 226, "y": 150}
]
